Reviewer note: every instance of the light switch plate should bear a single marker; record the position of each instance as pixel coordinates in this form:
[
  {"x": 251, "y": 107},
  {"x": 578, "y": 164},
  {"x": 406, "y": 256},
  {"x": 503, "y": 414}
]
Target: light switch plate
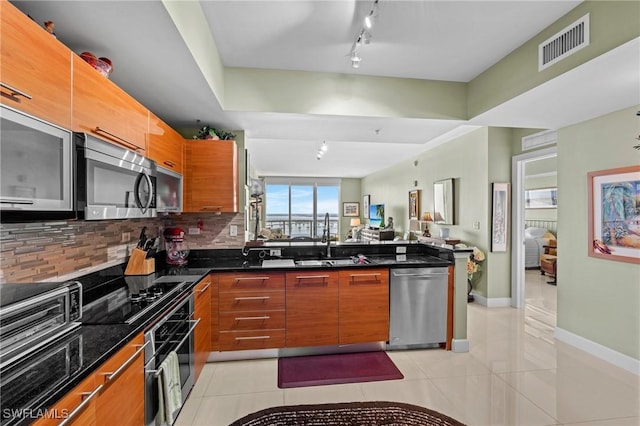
[
  {"x": 476, "y": 224},
  {"x": 401, "y": 249},
  {"x": 401, "y": 257},
  {"x": 233, "y": 230}
]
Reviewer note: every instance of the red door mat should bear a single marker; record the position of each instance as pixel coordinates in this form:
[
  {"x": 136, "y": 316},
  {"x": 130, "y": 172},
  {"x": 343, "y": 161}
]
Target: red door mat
[{"x": 334, "y": 369}]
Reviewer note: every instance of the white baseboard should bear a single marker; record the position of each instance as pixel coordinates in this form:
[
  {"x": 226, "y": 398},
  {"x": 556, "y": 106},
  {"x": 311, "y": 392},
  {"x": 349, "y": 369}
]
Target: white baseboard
[
  {"x": 459, "y": 345},
  {"x": 613, "y": 357},
  {"x": 494, "y": 302}
]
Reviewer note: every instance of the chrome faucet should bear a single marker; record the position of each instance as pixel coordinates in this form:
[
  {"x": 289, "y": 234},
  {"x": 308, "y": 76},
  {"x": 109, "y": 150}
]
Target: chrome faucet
[{"x": 326, "y": 234}]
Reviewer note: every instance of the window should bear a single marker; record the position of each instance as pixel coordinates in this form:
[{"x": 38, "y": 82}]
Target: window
[{"x": 298, "y": 206}]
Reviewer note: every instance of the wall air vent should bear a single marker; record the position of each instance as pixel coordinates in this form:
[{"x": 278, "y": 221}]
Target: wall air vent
[
  {"x": 565, "y": 43},
  {"x": 536, "y": 140}
]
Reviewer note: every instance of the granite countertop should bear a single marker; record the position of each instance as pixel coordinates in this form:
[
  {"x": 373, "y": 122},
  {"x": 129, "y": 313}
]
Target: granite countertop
[{"x": 94, "y": 344}]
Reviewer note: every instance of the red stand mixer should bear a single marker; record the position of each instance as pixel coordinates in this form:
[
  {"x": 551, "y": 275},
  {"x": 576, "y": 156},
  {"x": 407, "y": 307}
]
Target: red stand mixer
[{"x": 175, "y": 245}]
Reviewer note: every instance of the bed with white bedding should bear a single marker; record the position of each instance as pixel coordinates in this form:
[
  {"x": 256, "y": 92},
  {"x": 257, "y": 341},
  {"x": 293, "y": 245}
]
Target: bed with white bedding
[{"x": 535, "y": 238}]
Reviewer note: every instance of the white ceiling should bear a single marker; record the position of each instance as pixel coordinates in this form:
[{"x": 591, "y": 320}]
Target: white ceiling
[{"x": 435, "y": 40}]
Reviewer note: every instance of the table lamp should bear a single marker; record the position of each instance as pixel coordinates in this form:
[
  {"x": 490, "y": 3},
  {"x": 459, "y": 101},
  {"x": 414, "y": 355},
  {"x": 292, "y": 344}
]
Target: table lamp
[
  {"x": 426, "y": 217},
  {"x": 354, "y": 223}
]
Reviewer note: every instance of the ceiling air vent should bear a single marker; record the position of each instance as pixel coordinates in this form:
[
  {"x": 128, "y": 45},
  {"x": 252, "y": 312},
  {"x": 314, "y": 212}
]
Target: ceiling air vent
[
  {"x": 536, "y": 140},
  {"x": 564, "y": 43}
]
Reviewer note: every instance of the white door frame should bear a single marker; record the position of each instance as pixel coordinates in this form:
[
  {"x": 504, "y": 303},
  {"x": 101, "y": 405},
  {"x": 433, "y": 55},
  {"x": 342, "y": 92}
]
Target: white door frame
[{"x": 517, "y": 224}]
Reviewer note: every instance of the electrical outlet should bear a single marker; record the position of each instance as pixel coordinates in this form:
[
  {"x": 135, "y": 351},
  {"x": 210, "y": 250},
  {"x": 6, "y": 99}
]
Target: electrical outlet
[
  {"x": 401, "y": 249},
  {"x": 275, "y": 252},
  {"x": 401, "y": 257},
  {"x": 233, "y": 230},
  {"x": 194, "y": 231},
  {"x": 126, "y": 237}
]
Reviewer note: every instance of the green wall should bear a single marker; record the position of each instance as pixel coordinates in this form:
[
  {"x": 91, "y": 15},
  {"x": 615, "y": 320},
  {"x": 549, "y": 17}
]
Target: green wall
[
  {"x": 465, "y": 160},
  {"x": 349, "y": 192},
  {"x": 498, "y": 264},
  {"x": 597, "y": 299},
  {"x": 612, "y": 23}
]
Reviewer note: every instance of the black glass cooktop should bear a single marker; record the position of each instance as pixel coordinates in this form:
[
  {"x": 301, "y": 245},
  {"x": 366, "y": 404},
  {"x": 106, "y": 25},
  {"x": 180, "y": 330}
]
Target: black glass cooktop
[{"x": 128, "y": 298}]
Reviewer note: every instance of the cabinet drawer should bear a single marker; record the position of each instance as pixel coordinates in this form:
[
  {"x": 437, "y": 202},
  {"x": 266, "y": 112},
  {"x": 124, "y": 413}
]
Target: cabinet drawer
[
  {"x": 265, "y": 320},
  {"x": 253, "y": 281},
  {"x": 260, "y": 339},
  {"x": 252, "y": 300}
]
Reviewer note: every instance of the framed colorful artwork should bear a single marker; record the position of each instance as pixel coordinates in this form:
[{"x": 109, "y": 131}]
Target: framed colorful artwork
[{"x": 614, "y": 214}]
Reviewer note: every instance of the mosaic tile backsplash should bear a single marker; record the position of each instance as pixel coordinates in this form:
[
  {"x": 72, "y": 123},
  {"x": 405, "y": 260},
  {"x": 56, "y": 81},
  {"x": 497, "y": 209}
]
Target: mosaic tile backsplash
[{"x": 38, "y": 251}]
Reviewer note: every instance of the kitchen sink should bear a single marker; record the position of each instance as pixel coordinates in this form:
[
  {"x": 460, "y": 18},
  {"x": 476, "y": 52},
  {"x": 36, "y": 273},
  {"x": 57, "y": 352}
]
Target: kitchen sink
[
  {"x": 312, "y": 263},
  {"x": 329, "y": 262}
]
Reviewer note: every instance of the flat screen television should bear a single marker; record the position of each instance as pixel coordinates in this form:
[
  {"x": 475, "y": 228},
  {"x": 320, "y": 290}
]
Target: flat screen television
[{"x": 376, "y": 215}]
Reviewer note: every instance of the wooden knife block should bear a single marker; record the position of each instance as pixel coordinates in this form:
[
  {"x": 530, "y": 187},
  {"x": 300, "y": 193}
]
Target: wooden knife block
[{"x": 139, "y": 264}]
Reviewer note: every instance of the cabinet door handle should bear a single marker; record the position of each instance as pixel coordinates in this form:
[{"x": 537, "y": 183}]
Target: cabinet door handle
[
  {"x": 112, "y": 375},
  {"x": 119, "y": 140},
  {"x": 354, "y": 276},
  {"x": 253, "y": 338},
  {"x": 238, "y": 299},
  {"x": 15, "y": 92},
  {"x": 89, "y": 396},
  {"x": 252, "y": 278},
  {"x": 265, "y": 317},
  {"x": 312, "y": 277},
  {"x": 10, "y": 201},
  {"x": 169, "y": 163},
  {"x": 204, "y": 289}
]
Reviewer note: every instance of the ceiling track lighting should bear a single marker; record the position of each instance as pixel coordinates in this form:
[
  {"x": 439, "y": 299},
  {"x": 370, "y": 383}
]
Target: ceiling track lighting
[
  {"x": 321, "y": 151},
  {"x": 364, "y": 36}
]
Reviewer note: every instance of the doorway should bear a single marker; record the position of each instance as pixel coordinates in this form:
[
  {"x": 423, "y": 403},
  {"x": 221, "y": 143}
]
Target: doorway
[{"x": 530, "y": 289}]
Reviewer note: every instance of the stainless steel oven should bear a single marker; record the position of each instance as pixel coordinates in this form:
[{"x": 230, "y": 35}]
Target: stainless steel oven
[
  {"x": 112, "y": 182},
  {"x": 36, "y": 173},
  {"x": 173, "y": 332}
]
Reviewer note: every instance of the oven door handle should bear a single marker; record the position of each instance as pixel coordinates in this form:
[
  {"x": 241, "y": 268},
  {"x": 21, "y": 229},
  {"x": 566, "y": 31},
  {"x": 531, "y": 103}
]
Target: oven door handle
[
  {"x": 195, "y": 323},
  {"x": 193, "y": 327},
  {"x": 113, "y": 374}
]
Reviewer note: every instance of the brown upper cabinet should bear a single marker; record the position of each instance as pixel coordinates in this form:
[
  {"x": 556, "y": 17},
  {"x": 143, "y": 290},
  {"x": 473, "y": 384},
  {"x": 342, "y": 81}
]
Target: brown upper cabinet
[
  {"x": 165, "y": 145},
  {"x": 35, "y": 69},
  {"x": 103, "y": 109},
  {"x": 211, "y": 176}
]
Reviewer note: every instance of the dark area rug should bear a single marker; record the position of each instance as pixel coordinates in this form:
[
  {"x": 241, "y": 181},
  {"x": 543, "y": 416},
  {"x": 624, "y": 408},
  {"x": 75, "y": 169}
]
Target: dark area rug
[
  {"x": 334, "y": 369},
  {"x": 348, "y": 414}
]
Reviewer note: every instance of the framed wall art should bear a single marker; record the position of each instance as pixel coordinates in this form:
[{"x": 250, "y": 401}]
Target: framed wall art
[
  {"x": 542, "y": 198},
  {"x": 614, "y": 214},
  {"x": 351, "y": 209},
  {"x": 414, "y": 204},
  {"x": 500, "y": 216},
  {"x": 366, "y": 202}
]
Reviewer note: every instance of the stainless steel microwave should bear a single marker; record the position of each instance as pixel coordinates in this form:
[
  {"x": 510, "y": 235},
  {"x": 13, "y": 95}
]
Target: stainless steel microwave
[
  {"x": 112, "y": 182},
  {"x": 36, "y": 168}
]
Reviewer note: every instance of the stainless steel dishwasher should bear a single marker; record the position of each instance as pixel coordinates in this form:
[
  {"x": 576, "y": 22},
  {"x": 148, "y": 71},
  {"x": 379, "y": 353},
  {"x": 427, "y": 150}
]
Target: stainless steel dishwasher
[{"x": 418, "y": 307}]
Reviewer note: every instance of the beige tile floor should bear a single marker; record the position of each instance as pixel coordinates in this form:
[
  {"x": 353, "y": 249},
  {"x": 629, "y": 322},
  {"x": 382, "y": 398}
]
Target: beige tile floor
[{"x": 515, "y": 373}]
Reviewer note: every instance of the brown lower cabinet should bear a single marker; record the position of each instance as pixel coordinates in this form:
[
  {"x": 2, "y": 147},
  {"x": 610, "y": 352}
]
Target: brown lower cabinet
[
  {"x": 114, "y": 394},
  {"x": 312, "y": 308},
  {"x": 202, "y": 311},
  {"x": 364, "y": 305},
  {"x": 251, "y": 312}
]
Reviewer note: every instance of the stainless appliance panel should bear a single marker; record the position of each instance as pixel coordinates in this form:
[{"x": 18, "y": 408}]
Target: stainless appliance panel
[
  {"x": 36, "y": 170},
  {"x": 418, "y": 307},
  {"x": 169, "y": 190},
  {"x": 113, "y": 182},
  {"x": 29, "y": 324},
  {"x": 173, "y": 332}
]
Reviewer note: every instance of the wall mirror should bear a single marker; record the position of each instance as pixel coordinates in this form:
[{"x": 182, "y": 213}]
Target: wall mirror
[{"x": 443, "y": 206}]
